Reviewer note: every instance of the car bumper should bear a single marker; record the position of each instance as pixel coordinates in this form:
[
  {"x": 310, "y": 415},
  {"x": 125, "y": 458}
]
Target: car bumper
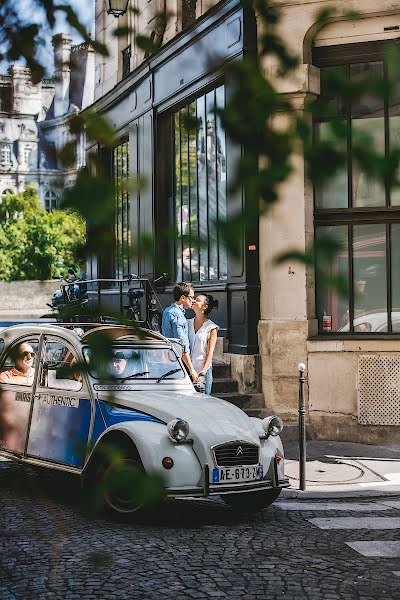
[{"x": 221, "y": 489}]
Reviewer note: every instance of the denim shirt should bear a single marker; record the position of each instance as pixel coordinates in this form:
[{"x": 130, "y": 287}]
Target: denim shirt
[{"x": 175, "y": 325}]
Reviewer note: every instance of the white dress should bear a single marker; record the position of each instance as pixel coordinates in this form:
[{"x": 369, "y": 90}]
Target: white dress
[{"x": 199, "y": 342}]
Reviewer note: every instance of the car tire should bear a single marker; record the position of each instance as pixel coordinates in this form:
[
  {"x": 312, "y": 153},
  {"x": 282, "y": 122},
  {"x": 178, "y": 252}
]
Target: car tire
[
  {"x": 110, "y": 485},
  {"x": 118, "y": 487},
  {"x": 251, "y": 501}
]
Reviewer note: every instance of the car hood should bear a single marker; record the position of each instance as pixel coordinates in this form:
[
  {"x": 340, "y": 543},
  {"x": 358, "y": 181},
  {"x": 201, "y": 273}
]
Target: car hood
[{"x": 211, "y": 420}]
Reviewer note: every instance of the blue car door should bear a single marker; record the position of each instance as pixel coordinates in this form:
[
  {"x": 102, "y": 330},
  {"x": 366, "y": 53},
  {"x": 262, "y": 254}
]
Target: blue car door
[{"x": 62, "y": 409}]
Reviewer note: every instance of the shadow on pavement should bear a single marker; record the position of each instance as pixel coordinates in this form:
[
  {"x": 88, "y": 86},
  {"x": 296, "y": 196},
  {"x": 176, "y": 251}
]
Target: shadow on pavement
[{"x": 60, "y": 491}]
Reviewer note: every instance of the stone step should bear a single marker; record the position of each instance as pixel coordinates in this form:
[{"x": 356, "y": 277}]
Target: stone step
[
  {"x": 224, "y": 385},
  {"x": 221, "y": 370},
  {"x": 244, "y": 401}
]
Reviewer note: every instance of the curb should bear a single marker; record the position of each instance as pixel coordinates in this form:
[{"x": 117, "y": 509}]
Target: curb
[{"x": 295, "y": 494}]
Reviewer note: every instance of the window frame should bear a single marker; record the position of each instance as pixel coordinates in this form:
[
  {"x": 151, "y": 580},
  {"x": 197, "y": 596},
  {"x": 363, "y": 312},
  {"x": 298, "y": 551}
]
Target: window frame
[
  {"x": 352, "y": 216},
  {"x": 121, "y": 218},
  {"x": 214, "y": 238}
]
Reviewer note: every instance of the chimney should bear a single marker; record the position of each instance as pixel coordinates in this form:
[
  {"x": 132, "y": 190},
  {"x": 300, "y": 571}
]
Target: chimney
[{"x": 62, "y": 73}]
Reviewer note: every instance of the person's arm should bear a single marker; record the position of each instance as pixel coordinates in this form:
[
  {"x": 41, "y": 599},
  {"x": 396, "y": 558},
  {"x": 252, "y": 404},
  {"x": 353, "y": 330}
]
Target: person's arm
[
  {"x": 181, "y": 333},
  {"x": 212, "y": 340},
  {"x": 192, "y": 371}
]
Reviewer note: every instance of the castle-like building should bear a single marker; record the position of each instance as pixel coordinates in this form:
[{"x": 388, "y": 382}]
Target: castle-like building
[{"x": 34, "y": 122}]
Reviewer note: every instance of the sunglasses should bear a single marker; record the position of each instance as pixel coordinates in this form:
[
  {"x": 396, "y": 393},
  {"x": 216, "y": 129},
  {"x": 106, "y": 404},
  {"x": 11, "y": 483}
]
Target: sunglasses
[{"x": 27, "y": 353}]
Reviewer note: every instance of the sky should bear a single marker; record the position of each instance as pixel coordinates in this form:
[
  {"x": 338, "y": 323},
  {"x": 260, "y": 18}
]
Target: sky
[{"x": 84, "y": 10}]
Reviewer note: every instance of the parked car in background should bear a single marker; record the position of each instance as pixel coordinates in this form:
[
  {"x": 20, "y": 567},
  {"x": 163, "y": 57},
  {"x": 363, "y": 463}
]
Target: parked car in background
[
  {"x": 60, "y": 415},
  {"x": 374, "y": 321}
]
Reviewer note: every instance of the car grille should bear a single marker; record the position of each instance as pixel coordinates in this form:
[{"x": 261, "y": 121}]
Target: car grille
[{"x": 236, "y": 453}]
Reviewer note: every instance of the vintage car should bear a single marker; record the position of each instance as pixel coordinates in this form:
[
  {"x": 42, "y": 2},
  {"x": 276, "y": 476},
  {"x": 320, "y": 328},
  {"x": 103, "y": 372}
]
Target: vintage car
[{"x": 56, "y": 413}]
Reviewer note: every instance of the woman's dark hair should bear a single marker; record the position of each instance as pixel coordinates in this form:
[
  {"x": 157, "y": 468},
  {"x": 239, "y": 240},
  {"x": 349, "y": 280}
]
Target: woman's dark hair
[{"x": 211, "y": 303}]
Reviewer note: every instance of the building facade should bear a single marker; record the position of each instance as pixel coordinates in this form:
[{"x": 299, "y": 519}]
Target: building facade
[
  {"x": 34, "y": 122},
  {"x": 273, "y": 317}
]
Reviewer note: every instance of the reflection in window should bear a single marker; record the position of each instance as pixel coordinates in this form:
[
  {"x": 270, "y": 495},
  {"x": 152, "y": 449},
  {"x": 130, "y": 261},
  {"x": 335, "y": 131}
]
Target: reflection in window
[
  {"x": 60, "y": 372},
  {"x": 367, "y": 122},
  {"x": 188, "y": 12},
  {"x": 120, "y": 163},
  {"x": 200, "y": 189},
  {"x": 369, "y": 274},
  {"x": 370, "y": 238},
  {"x": 332, "y": 306}
]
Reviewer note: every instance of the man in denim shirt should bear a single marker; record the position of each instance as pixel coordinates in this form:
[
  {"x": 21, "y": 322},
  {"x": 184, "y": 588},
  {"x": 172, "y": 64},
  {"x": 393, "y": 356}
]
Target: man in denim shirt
[{"x": 174, "y": 323}]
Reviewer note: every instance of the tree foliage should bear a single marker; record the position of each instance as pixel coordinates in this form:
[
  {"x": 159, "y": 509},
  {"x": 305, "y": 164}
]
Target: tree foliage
[{"x": 36, "y": 244}]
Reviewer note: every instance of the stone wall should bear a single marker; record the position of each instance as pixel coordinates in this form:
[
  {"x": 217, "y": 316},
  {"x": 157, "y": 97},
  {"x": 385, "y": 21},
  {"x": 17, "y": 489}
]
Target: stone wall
[{"x": 25, "y": 299}]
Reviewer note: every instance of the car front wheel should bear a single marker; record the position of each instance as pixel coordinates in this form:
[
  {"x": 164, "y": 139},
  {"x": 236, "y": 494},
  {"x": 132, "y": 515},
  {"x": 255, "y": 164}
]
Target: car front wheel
[
  {"x": 251, "y": 501},
  {"x": 119, "y": 486}
]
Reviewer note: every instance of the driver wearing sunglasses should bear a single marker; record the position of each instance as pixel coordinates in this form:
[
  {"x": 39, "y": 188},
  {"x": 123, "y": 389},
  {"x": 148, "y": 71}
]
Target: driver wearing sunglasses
[{"x": 23, "y": 372}]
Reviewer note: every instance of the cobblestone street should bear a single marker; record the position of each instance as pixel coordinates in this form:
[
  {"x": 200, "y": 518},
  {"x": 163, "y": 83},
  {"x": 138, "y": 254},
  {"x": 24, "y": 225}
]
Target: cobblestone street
[{"x": 192, "y": 549}]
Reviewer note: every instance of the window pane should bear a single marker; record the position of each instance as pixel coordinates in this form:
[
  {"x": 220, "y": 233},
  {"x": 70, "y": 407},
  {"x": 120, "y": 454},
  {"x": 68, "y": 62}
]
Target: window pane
[
  {"x": 202, "y": 187},
  {"x": 332, "y": 304},
  {"x": 369, "y": 278},
  {"x": 194, "y": 208},
  {"x": 334, "y": 193},
  {"x": 221, "y": 182},
  {"x": 184, "y": 212},
  {"x": 367, "y": 119},
  {"x": 395, "y": 264},
  {"x": 394, "y": 127},
  {"x": 212, "y": 187},
  {"x": 178, "y": 203},
  {"x": 121, "y": 196}
]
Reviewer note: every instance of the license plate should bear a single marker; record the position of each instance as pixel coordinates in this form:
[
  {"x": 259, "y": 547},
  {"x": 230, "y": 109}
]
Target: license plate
[{"x": 237, "y": 474}]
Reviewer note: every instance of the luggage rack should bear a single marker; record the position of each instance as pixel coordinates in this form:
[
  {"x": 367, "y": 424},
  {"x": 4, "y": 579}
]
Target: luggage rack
[{"x": 112, "y": 301}]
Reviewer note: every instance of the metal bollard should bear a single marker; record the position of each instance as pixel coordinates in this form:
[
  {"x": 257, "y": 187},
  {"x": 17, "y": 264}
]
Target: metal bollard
[{"x": 302, "y": 429}]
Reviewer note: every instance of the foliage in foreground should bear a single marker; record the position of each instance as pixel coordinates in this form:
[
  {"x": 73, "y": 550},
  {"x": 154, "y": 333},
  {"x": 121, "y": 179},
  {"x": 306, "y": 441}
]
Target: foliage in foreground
[{"x": 36, "y": 244}]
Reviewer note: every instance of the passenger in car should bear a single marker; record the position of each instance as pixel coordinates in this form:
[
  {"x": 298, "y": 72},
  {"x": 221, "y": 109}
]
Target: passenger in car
[
  {"x": 23, "y": 372},
  {"x": 119, "y": 363}
]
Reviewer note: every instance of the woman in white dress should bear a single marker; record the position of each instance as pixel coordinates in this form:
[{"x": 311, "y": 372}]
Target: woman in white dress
[{"x": 203, "y": 337}]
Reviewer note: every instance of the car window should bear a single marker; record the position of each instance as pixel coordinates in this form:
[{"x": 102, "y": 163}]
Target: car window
[
  {"x": 137, "y": 363},
  {"x": 58, "y": 370},
  {"x": 19, "y": 364}
]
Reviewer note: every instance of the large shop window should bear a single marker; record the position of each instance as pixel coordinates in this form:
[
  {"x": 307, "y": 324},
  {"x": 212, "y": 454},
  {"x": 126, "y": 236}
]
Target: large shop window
[
  {"x": 200, "y": 189},
  {"x": 361, "y": 213},
  {"x": 120, "y": 169}
]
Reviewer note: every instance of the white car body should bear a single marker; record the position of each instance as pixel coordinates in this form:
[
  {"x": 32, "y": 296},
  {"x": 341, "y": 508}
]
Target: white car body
[{"x": 137, "y": 410}]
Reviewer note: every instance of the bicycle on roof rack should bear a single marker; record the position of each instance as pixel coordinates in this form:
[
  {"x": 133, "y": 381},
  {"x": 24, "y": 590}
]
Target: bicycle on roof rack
[{"x": 131, "y": 298}]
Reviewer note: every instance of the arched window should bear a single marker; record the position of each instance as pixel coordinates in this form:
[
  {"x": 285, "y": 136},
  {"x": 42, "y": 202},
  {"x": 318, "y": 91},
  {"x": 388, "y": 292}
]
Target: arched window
[
  {"x": 7, "y": 192},
  {"x": 5, "y": 154},
  {"x": 50, "y": 201}
]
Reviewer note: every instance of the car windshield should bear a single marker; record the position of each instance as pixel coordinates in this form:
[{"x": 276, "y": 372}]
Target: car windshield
[{"x": 130, "y": 363}]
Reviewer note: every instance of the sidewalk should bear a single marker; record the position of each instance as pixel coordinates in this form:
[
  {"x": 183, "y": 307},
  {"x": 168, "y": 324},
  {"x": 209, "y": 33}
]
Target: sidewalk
[{"x": 343, "y": 470}]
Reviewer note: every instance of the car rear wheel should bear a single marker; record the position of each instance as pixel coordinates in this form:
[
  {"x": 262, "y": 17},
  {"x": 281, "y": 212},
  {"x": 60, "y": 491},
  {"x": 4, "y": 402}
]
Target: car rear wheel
[{"x": 251, "y": 501}]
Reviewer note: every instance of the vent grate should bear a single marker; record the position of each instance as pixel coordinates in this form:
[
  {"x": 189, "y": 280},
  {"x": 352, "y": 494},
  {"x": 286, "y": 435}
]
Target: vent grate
[{"x": 379, "y": 389}]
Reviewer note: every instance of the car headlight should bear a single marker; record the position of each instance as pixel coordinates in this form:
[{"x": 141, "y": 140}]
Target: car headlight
[
  {"x": 178, "y": 430},
  {"x": 272, "y": 425}
]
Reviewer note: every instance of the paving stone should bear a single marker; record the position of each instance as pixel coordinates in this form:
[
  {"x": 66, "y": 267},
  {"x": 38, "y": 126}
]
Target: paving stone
[{"x": 186, "y": 549}]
